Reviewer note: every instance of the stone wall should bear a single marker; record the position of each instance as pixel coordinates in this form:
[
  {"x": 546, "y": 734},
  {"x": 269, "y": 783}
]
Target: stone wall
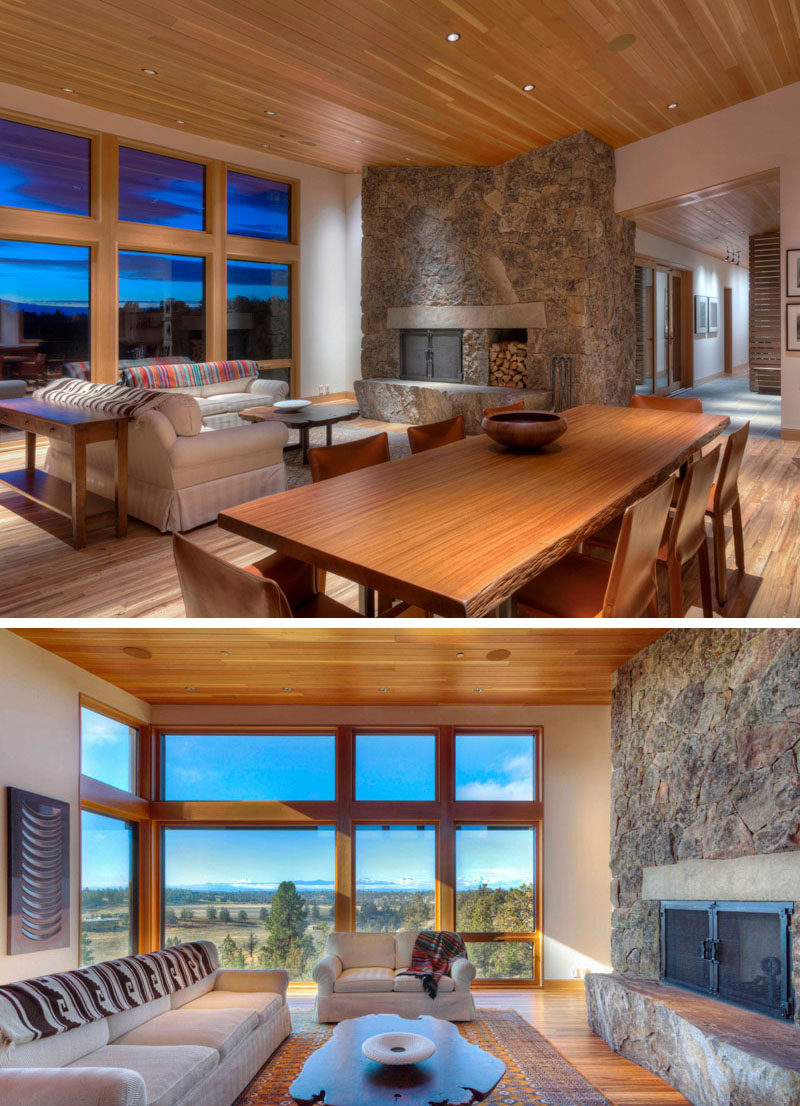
[
  {"x": 705, "y": 745},
  {"x": 539, "y": 228}
]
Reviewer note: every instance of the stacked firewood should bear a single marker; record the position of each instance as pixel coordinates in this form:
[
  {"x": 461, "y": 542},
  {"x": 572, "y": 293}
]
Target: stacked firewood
[{"x": 508, "y": 364}]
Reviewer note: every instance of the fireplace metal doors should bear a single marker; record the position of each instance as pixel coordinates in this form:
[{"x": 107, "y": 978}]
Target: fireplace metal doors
[{"x": 431, "y": 355}]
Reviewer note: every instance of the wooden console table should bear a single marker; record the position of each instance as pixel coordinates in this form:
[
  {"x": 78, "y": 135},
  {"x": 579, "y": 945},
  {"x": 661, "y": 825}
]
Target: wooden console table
[{"x": 78, "y": 427}]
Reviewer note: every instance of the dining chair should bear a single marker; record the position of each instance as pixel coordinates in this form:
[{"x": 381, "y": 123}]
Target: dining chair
[
  {"x": 33, "y": 371},
  {"x": 581, "y": 586},
  {"x": 724, "y": 497},
  {"x": 687, "y": 537},
  {"x": 489, "y": 411},
  {"x": 327, "y": 461},
  {"x": 433, "y": 434},
  {"x": 276, "y": 587},
  {"x": 668, "y": 403}
]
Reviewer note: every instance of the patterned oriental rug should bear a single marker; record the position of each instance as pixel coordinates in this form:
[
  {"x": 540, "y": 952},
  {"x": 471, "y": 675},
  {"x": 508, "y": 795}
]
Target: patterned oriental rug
[{"x": 536, "y": 1073}]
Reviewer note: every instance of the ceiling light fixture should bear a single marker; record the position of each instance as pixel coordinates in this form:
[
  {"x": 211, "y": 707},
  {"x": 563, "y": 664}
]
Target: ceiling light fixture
[
  {"x": 407, "y": 159},
  {"x": 621, "y": 42},
  {"x": 383, "y": 689},
  {"x": 359, "y": 141},
  {"x": 67, "y": 89},
  {"x": 528, "y": 87},
  {"x": 150, "y": 72},
  {"x": 265, "y": 145},
  {"x": 498, "y": 654},
  {"x": 224, "y": 653},
  {"x": 190, "y": 688},
  {"x": 270, "y": 113},
  {"x": 477, "y": 689},
  {"x": 288, "y": 689},
  {"x": 454, "y": 36},
  {"x": 135, "y": 651},
  {"x": 181, "y": 121},
  {"x": 671, "y": 107},
  {"x": 459, "y": 656}
]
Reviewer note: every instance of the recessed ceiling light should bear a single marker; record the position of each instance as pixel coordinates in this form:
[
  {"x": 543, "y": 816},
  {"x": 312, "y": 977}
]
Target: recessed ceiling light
[
  {"x": 270, "y": 113},
  {"x": 407, "y": 159},
  {"x": 288, "y": 689},
  {"x": 181, "y": 121},
  {"x": 135, "y": 651},
  {"x": 528, "y": 87},
  {"x": 477, "y": 689},
  {"x": 454, "y": 36},
  {"x": 459, "y": 656},
  {"x": 190, "y": 688},
  {"x": 383, "y": 689},
  {"x": 224, "y": 653},
  {"x": 67, "y": 89},
  {"x": 265, "y": 145},
  {"x": 498, "y": 654},
  {"x": 621, "y": 42},
  {"x": 150, "y": 72},
  {"x": 671, "y": 107},
  {"x": 359, "y": 141}
]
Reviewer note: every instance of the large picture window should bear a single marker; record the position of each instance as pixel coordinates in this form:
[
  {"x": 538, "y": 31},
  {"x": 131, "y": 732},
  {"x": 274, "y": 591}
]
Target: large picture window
[
  {"x": 259, "y": 208},
  {"x": 396, "y": 767},
  {"x": 161, "y": 305},
  {"x": 256, "y": 766},
  {"x": 259, "y": 311},
  {"x": 44, "y": 170},
  {"x": 395, "y": 878},
  {"x": 166, "y": 191},
  {"x": 108, "y": 888},
  {"x": 44, "y": 309},
  {"x": 265, "y": 897},
  {"x": 109, "y": 750}
]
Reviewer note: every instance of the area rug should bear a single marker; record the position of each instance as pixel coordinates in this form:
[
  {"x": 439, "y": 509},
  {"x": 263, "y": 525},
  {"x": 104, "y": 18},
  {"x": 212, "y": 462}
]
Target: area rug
[
  {"x": 298, "y": 474},
  {"x": 536, "y": 1073}
]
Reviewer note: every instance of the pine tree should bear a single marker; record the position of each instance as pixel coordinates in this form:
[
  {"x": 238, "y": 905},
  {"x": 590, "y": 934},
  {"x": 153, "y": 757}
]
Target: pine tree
[
  {"x": 87, "y": 955},
  {"x": 211, "y": 914},
  {"x": 242, "y": 917},
  {"x": 227, "y": 952},
  {"x": 286, "y": 945},
  {"x": 225, "y": 915},
  {"x": 186, "y": 915}
]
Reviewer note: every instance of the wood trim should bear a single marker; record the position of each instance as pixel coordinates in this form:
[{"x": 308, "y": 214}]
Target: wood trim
[
  {"x": 103, "y": 799},
  {"x": 727, "y": 330},
  {"x": 687, "y": 327},
  {"x": 344, "y": 903}
]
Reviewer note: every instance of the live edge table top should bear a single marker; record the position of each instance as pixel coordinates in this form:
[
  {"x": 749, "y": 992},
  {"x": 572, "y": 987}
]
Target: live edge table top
[
  {"x": 459, "y": 529},
  {"x": 338, "y": 1074}
]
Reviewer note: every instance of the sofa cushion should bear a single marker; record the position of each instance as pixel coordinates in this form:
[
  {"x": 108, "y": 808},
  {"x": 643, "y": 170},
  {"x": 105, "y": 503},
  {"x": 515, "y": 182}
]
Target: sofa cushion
[
  {"x": 118, "y": 1024},
  {"x": 362, "y": 950},
  {"x": 265, "y": 1004},
  {"x": 230, "y": 401},
  {"x": 222, "y": 1030},
  {"x": 169, "y": 1073},
  {"x": 414, "y": 983},
  {"x": 194, "y": 990},
  {"x": 360, "y": 981},
  {"x": 58, "y": 1051},
  {"x": 403, "y": 947},
  {"x": 226, "y": 387}
]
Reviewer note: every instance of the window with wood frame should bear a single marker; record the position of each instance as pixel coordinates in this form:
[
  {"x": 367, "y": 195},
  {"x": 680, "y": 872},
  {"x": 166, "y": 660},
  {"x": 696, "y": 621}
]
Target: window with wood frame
[
  {"x": 115, "y": 833},
  {"x": 393, "y": 827},
  {"x": 127, "y": 205}
]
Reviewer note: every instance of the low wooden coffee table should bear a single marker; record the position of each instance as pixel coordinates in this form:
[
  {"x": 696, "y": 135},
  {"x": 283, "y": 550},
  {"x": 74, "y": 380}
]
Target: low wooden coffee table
[
  {"x": 318, "y": 414},
  {"x": 339, "y": 1074}
]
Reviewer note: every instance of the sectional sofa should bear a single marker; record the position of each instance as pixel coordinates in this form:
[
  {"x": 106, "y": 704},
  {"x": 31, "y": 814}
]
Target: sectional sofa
[
  {"x": 199, "y": 1043},
  {"x": 361, "y": 974}
]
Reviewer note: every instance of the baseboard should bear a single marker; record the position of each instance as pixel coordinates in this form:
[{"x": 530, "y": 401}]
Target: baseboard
[
  {"x": 705, "y": 379},
  {"x": 333, "y": 396},
  {"x": 790, "y": 435},
  {"x": 563, "y": 985}
]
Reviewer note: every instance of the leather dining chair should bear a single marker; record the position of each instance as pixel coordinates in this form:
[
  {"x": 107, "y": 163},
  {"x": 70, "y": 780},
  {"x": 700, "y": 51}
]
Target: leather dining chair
[
  {"x": 687, "y": 537},
  {"x": 489, "y": 411},
  {"x": 581, "y": 586},
  {"x": 433, "y": 434},
  {"x": 724, "y": 497},
  {"x": 275, "y": 587},
  {"x": 668, "y": 403}
]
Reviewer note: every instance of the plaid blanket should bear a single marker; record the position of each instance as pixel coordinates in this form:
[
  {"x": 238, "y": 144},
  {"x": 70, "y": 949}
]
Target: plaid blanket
[
  {"x": 52, "y": 1004},
  {"x": 433, "y": 953}
]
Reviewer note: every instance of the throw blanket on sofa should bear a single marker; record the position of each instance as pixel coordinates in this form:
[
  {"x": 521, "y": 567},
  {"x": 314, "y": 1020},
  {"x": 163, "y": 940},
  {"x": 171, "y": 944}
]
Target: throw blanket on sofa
[
  {"x": 51, "y": 1004},
  {"x": 192, "y": 374},
  {"x": 433, "y": 953},
  {"x": 108, "y": 399}
]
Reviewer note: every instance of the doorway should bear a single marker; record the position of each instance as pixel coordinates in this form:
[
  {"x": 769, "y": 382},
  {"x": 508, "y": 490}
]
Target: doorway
[{"x": 659, "y": 329}]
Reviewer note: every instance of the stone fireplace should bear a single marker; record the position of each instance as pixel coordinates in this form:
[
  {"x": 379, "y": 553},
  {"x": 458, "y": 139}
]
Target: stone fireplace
[
  {"x": 705, "y": 835},
  {"x": 529, "y": 252}
]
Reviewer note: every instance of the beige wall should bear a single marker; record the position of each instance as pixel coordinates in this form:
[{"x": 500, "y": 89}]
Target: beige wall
[
  {"x": 748, "y": 138},
  {"x": 39, "y": 752},
  {"x": 323, "y": 245},
  {"x": 577, "y": 781}
]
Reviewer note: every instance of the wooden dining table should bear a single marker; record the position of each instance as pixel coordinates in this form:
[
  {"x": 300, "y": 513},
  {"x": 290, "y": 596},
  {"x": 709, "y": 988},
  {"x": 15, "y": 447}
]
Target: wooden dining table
[{"x": 458, "y": 530}]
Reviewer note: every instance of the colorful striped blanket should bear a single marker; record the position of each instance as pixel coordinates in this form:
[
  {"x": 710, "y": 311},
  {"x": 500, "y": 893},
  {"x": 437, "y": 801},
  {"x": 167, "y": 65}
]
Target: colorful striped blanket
[
  {"x": 190, "y": 375},
  {"x": 51, "y": 1004},
  {"x": 433, "y": 953}
]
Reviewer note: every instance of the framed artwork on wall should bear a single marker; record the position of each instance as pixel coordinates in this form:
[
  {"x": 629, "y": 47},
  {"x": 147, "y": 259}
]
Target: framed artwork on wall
[
  {"x": 38, "y": 872},
  {"x": 713, "y": 315},
  {"x": 793, "y": 272},
  {"x": 793, "y": 327},
  {"x": 701, "y": 314}
]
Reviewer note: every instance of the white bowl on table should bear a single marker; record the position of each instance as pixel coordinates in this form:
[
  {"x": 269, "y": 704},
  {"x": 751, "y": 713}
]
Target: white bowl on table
[
  {"x": 398, "y": 1048},
  {"x": 291, "y": 404}
]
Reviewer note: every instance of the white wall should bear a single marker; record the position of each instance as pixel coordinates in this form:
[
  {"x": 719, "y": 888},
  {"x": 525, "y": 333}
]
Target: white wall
[
  {"x": 577, "y": 790},
  {"x": 749, "y": 138},
  {"x": 710, "y": 277},
  {"x": 353, "y": 291},
  {"x": 323, "y": 246},
  {"x": 39, "y": 751}
]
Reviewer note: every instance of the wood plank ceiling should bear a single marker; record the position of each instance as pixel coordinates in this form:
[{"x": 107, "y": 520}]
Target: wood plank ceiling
[
  {"x": 353, "y": 82},
  {"x": 352, "y": 666},
  {"x": 718, "y": 220}
]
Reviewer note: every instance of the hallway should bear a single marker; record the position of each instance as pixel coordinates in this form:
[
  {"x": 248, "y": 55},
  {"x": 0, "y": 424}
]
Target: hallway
[{"x": 731, "y": 395}]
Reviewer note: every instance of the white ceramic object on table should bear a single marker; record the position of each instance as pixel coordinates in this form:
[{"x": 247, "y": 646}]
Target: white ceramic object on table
[
  {"x": 291, "y": 404},
  {"x": 398, "y": 1048}
]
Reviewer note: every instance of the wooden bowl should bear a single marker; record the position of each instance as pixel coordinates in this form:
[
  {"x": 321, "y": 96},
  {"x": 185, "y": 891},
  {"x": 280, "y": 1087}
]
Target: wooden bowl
[{"x": 523, "y": 430}]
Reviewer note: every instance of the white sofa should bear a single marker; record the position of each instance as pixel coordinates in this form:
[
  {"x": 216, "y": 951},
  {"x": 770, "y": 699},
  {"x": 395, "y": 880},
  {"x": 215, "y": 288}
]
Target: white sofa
[
  {"x": 219, "y": 399},
  {"x": 181, "y": 474},
  {"x": 360, "y": 975},
  {"x": 200, "y": 1046}
]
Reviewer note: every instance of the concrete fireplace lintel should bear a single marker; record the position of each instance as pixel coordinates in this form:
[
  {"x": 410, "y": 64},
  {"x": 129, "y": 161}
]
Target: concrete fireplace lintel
[
  {"x": 763, "y": 877},
  {"x": 463, "y": 316}
]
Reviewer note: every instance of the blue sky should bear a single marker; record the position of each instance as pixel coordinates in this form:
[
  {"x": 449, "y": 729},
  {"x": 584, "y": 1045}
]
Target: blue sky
[
  {"x": 258, "y": 208},
  {"x": 396, "y": 766},
  {"x": 506, "y": 775},
  {"x": 106, "y": 750},
  {"x": 38, "y": 273},
  {"x": 105, "y": 851},
  {"x": 167, "y": 191},
  {"x": 43, "y": 170}
]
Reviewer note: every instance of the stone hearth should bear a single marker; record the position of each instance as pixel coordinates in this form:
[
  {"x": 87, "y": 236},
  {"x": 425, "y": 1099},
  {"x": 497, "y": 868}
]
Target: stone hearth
[
  {"x": 430, "y": 401},
  {"x": 713, "y": 1053}
]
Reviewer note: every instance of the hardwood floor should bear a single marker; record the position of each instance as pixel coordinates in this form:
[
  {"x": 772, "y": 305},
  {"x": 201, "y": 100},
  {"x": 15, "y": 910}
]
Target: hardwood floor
[
  {"x": 560, "y": 1015},
  {"x": 41, "y": 576}
]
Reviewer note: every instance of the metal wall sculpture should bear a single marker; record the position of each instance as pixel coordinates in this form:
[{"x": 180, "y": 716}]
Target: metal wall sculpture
[{"x": 38, "y": 872}]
